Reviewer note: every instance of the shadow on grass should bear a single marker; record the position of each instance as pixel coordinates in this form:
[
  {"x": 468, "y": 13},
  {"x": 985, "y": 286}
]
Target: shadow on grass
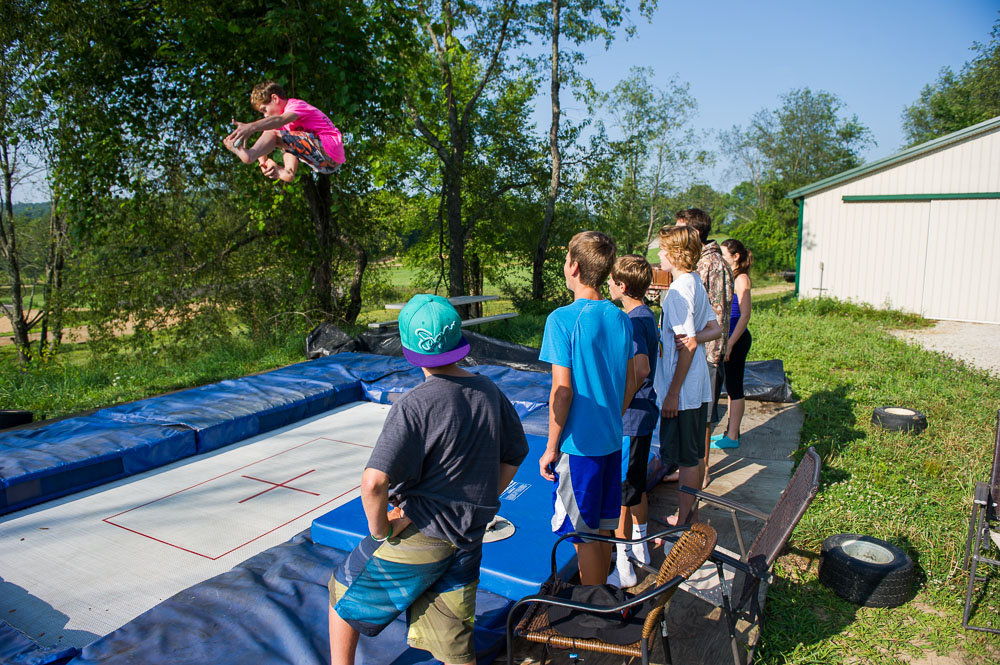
[{"x": 829, "y": 427}]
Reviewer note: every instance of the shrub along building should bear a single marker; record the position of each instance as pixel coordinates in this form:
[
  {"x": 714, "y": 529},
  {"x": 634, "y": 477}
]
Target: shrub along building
[{"x": 917, "y": 231}]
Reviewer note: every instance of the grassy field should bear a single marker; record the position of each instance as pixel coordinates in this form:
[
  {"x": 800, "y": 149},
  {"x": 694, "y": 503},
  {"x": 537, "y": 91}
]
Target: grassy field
[{"x": 914, "y": 491}]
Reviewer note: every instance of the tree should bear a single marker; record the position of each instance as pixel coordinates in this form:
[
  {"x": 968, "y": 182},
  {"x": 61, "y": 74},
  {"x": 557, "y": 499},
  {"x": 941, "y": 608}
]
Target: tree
[
  {"x": 170, "y": 76},
  {"x": 806, "y": 139},
  {"x": 463, "y": 71},
  {"x": 18, "y": 65},
  {"x": 654, "y": 153},
  {"x": 958, "y": 100},
  {"x": 579, "y": 28}
]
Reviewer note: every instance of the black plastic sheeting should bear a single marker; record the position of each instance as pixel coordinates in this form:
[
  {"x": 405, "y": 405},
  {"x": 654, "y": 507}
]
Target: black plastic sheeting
[
  {"x": 327, "y": 339},
  {"x": 269, "y": 610},
  {"x": 765, "y": 381}
]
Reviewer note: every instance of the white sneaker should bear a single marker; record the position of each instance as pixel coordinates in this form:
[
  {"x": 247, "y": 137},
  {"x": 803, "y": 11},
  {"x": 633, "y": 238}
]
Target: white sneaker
[{"x": 623, "y": 577}]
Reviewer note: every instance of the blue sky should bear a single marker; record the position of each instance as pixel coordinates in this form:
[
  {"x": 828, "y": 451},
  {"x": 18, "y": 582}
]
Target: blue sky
[{"x": 740, "y": 56}]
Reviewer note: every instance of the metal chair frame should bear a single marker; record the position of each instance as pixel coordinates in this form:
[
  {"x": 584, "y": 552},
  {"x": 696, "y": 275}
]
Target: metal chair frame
[
  {"x": 660, "y": 592},
  {"x": 984, "y": 519},
  {"x": 754, "y": 564}
]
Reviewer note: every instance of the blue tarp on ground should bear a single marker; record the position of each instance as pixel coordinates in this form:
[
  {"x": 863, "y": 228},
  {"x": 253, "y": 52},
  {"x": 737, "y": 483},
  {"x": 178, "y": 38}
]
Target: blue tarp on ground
[
  {"x": 16, "y": 648},
  {"x": 271, "y": 609}
]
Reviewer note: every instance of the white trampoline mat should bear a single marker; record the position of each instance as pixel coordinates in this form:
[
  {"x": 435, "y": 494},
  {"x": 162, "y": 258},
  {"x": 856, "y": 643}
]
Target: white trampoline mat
[{"x": 75, "y": 569}]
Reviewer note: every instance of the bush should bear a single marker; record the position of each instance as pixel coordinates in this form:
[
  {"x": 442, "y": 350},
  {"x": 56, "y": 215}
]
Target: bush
[{"x": 772, "y": 238}]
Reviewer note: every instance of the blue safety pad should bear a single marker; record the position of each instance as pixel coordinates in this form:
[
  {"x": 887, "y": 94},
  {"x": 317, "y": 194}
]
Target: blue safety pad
[
  {"x": 527, "y": 391},
  {"x": 230, "y": 411},
  {"x": 73, "y": 454},
  {"x": 512, "y": 568},
  {"x": 363, "y": 366},
  {"x": 269, "y": 610},
  {"x": 16, "y": 648},
  {"x": 537, "y": 422}
]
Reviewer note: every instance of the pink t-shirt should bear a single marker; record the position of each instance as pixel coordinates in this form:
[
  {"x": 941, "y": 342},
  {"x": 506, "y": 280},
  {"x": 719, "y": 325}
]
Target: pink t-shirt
[{"x": 311, "y": 119}]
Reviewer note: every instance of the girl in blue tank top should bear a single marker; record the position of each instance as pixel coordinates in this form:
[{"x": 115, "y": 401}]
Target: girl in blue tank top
[{"x": 739, "y": 259}]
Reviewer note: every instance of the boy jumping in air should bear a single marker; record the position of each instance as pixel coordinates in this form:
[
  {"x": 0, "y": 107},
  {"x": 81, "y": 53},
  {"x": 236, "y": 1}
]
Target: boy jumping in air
[{"x": 300, "y": 130}]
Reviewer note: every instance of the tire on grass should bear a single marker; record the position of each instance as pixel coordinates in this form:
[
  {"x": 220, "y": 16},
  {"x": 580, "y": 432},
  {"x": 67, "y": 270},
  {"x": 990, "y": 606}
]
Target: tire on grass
[
  {"x": 865, "y": 570},
  {"x": 13, "y": 418},
  {"x": 899, "y": 419}
]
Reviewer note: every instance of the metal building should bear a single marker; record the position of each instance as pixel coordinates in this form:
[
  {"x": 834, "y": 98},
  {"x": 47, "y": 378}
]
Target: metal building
[{"x": 918, "y": 231}]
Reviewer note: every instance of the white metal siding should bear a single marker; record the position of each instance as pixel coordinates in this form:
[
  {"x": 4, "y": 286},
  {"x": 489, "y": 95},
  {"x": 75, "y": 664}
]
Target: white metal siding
[
  {"x": 963, "y": 261},
  {"x": 871, "y": 252},
  {"x": 937, "y": 258}
]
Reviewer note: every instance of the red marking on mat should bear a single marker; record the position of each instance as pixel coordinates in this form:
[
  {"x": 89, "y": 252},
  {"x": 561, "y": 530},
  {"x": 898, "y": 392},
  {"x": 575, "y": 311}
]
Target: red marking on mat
[
  {"x": 108, "y": 520},
  {"x": 277, "y": 485}
]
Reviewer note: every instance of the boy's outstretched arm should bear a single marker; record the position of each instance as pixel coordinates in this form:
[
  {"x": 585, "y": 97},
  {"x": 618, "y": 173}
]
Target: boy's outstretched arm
[
  {"x": 245, "y": 130},
  {"x": 375, "y": 499},
  {"x": 560, "y": 399}
]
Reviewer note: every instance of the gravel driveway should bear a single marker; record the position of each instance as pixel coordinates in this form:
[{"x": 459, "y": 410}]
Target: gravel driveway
[{"x": 978, "y": 344}]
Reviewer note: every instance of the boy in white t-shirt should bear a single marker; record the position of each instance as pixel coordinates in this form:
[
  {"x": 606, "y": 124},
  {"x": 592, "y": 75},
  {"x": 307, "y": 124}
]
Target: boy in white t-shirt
[{"x": 682, "y": 377}]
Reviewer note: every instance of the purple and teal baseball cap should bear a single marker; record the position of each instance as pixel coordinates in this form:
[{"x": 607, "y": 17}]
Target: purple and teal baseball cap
[{"x": 431, "y": 332}]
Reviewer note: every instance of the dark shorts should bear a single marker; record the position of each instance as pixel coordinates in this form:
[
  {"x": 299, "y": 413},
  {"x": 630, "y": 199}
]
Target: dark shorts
[
  {"x": 587, "y": 495},
  {"x": 635, "y": 476},
  {"x": 736, "y": 365},
  {"x": 309, "y": 149},
  {"x": 717, "y": 375},
  {"x": 682, "y": 439},
  {"x": 429, "y": 578}
]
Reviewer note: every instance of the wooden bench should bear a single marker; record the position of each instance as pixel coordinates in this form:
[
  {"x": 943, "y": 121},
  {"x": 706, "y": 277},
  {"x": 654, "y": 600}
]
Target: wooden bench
[
  {"x": 457, "y": 301},
  {"x": 465, "y": 324}
]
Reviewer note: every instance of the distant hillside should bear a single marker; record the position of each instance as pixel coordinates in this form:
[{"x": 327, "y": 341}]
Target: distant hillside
[{"x": 32, "y": 210}]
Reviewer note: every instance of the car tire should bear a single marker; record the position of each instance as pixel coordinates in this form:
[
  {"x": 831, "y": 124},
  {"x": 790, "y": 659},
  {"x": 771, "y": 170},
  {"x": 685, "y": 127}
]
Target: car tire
[
  {"x": 865, "y": 570},
  {"x": 899, "y": 419}
]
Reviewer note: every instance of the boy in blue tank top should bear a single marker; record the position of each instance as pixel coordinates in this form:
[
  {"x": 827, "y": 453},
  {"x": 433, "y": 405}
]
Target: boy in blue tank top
[{"x": 589, "y": 344}]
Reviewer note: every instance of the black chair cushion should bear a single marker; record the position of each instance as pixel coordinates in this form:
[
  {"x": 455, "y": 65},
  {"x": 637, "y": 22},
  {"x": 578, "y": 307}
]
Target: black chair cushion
[{"x": 613, "y": 627}]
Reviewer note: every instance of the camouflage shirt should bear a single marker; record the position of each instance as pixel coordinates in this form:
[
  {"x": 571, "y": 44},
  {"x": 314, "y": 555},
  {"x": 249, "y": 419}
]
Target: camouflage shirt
[{"x": 718, "y": 280}]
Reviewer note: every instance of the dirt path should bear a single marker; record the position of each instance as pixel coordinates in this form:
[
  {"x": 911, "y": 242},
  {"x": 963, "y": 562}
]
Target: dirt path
[{"x": 973, "y": 343}]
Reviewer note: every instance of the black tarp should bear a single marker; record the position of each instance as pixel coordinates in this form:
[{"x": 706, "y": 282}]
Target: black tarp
[{"x": 327, "y": 339}]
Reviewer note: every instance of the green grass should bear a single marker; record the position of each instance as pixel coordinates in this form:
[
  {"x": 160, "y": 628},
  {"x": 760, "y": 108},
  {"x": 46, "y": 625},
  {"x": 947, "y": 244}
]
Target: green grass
[
  {"x": 76, "y": 381},
  {"x": 913, "y": 491}
]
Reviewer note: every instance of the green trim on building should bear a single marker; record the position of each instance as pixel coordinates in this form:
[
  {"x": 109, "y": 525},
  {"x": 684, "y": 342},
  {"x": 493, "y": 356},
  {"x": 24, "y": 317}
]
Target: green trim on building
[
  {"x": 909, "y": 153},
  {"x": 876, "y": 198},
  {"x": 798, "y": 253}
]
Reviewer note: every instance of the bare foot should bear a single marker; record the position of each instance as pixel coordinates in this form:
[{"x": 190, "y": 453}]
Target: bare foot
[{"x": 239, "y": 151}]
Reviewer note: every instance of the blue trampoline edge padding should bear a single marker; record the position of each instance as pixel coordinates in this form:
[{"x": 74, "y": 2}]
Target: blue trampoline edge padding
[
  {"x": 512, "y": 568},
  {"x": 269, "y": 610},
  {"x": 16, "y": 648}
]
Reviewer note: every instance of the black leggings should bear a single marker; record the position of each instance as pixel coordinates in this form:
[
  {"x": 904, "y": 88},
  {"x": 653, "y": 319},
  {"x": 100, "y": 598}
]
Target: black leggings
[{"x": 734, "y": 366}]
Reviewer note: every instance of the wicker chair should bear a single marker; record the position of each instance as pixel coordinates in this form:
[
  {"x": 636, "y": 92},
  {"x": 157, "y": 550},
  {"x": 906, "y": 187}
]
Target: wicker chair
[
  {"x": 984, "y": 531},
  {"x": 692, "y": 548},
  {"x": 738, "y": 577}
]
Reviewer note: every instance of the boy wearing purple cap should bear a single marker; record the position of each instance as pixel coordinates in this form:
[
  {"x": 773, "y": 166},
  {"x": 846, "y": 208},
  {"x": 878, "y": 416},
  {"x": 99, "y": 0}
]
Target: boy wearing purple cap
[{"x": 448, "y": 449}]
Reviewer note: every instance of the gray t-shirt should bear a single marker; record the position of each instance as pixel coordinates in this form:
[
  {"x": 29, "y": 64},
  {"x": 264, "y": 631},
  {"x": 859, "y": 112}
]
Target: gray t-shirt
[{"x": 441, "y": 446}]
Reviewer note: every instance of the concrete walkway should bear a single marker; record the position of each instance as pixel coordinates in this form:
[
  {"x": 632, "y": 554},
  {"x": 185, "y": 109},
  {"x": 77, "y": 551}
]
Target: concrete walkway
[{"x": 753, "y": 474}]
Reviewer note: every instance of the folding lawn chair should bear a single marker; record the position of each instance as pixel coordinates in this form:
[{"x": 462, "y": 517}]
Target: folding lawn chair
[
  {"x": 728, "y": 576},
  {"x": 984, "y": 531},
  {"x": 626, "y": 624}
]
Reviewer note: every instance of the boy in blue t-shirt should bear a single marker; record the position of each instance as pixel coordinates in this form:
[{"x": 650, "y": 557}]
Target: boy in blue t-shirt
[
  {"x": 589, "y": 344},
  {"x": 629, "y": 281}
]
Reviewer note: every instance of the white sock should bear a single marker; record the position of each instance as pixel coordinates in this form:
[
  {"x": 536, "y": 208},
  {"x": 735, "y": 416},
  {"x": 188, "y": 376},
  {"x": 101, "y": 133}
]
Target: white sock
[
  {"x": 640, "y": 550},
  {"x": 623, "y": 570}
]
